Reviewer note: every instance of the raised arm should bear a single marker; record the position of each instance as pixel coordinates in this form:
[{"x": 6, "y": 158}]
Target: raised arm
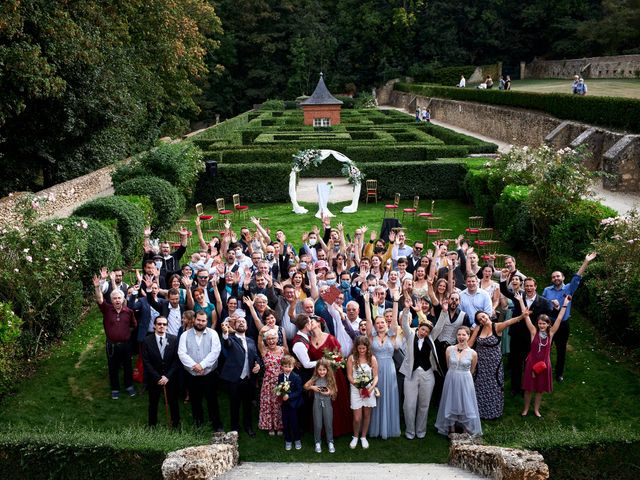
[
  {"x": 586, "y": 262},
  {"x": 260, "y": 228},
  {"x": 502, "y": 325},
  {"x": 563, "y": 309},
  {"x": 367, "y": 312},
  {"x": 201, "y": 241},
  {"x": 97, "y": 290},
  {"x": 313, "y": 284},
  {"x": 256, "y": 319}
]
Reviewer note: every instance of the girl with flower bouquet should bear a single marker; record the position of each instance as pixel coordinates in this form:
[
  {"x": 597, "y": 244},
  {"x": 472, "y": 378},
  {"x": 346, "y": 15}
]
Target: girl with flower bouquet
[
  {"x": 323, "y": 384},
  {"x": 362, "y": 371}
]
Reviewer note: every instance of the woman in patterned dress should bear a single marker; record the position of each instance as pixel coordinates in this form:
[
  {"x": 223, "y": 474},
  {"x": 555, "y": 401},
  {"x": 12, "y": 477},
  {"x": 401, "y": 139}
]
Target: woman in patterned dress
[
  {"x": 270, "y": 413},
  {"x": 490, "y": 374}
]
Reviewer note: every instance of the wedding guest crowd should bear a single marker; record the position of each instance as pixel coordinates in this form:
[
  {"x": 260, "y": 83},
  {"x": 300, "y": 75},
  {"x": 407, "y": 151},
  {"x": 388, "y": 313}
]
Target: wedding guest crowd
[{"x": 333, "y": 335}]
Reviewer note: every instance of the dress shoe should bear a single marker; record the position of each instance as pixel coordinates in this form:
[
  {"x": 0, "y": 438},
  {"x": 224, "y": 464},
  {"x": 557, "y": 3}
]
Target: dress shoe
[{"x": 250, "y": 432}]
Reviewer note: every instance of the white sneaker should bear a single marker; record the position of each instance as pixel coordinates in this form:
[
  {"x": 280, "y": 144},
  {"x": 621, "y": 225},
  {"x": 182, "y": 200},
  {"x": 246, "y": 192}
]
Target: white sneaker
[
  {"x": 287, "y": 445},
  {"x": 354, "y": 443},
  {"x": 298, "y": 444},
  {"x": 332, "y": 449},
  {"x": 318, "y": 448},
  {"x": 364, "y": 442}
]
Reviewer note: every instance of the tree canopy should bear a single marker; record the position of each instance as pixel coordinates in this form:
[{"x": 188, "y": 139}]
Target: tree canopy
[{"x": 87, "y": 83}]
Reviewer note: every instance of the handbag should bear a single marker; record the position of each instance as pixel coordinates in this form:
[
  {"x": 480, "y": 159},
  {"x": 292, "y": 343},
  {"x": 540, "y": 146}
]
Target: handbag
[{"x": 539, "y": 367}]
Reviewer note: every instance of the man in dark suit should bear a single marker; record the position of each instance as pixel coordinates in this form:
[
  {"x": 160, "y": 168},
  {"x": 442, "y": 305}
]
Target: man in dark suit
[
  {"x": 240, "y": 366},
  {"x": 170, "y": 309},
  {"x": 413, "y": 260},
  {"x": 160, "y": 358}
]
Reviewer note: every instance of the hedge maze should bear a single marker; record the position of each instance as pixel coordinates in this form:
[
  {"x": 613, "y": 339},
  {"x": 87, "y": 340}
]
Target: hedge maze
[{"x": 254, "y": 153}]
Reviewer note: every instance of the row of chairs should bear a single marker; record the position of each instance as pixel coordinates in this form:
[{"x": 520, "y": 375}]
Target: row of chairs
[{"x": 223, "y": 213}]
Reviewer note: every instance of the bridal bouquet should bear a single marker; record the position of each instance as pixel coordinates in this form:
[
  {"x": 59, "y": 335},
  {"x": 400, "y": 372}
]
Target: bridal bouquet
[
  {"x": 282, "y": 389},
  {"x": 335, "y": 358},
  {"x": 362, "y": 381}
]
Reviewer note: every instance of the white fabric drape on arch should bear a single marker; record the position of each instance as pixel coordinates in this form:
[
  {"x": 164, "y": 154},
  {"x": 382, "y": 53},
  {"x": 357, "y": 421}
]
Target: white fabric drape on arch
[{"x": 297, "y": 208}]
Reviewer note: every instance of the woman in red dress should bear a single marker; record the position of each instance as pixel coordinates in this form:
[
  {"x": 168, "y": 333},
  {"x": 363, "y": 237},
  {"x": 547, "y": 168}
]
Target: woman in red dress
[
  {"x": 537, "y": 370},
  {"x": 320, "y": 342}
]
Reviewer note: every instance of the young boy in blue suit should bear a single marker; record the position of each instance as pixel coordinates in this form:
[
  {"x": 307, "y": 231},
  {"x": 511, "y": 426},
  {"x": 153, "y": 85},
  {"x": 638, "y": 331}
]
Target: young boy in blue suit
[{"x": 291, "y": 402}]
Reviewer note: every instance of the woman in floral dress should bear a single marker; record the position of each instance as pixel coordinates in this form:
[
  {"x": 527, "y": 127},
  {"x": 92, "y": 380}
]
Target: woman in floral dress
[{"x": 270, "y": 413}]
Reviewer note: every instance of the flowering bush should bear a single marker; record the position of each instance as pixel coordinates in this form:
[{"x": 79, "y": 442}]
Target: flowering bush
[
  {"x": 40, "y": 268},
  {"x": 557, "y": 181},
  {"x": 615, "y": 284}
]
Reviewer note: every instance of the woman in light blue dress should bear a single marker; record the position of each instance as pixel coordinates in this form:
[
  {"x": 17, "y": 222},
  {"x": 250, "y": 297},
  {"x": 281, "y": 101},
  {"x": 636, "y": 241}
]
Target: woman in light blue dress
[
  {"x": 458, "y": 404},
  {"x": 385, "y": 418}
]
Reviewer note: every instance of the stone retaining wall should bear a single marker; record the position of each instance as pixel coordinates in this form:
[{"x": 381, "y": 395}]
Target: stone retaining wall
[
  {"x": 496, "y": 462},
  {"x": 203, "y": 462},
  {"x": 613, "y": 152},
  {"x": 618, "y": 66},
  {"x": 62, "y": 198}
]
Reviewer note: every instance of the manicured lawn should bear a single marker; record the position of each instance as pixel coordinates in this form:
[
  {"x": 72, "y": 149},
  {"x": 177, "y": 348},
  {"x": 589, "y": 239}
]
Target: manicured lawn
[
  {"x": 601, "y": 87},
  {"x": 69, "y": 390}
]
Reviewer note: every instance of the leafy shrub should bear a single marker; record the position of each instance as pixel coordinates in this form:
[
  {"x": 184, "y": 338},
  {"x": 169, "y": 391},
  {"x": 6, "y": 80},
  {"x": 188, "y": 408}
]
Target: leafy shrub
[
  {"x": 40, "y": 267},
  {"x": 272, "y": 105},
  {"x": 9, "y": 323},
  {"x": 477, "y": 192},
  {"x": 440, "y": 75},
  {"x": 143, "y": 203},
  {"x": 573, "y": 236},
  {"x": 130, "y": 220},
  {"x": 613, "y": 112},
  {"x": 614, "y": 290},
  {"x": 179, "y": 164},
  {"x": 103, "y": 247},
  {"x": 512, "y": 217},
  {"x": 168, "y": 204},
  {"x": 11, "y": 366},
  {"x": 347, "y": 102}
]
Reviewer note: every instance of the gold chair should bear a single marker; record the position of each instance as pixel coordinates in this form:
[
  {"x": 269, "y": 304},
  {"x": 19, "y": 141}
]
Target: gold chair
[
  {"x": 392, "y": 208},
  {"x": 239, "y": 209},
  {"x": 205, "y": 220},
  {"x": 223, "y": 212},
  {"x": 413, "y": 210},
  {"x": 372, "y": 190}
]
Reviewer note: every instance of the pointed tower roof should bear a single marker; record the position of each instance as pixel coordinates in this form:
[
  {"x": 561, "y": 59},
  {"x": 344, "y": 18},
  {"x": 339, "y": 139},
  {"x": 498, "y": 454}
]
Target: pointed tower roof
[{"x": 321, "y": 95}]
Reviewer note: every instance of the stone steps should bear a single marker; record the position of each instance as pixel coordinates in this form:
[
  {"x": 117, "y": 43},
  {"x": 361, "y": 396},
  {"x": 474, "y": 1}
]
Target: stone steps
[{"x": 346, "y": 471}]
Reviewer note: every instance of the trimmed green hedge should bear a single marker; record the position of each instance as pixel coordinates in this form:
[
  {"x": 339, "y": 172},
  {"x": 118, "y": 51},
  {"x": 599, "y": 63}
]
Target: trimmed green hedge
[
  {"x": 442, "y": 76},
  {"x": 613, "y": 112},
  {"x": 179, "y": 164},
  {"x": 103, "y": 247},
  {"x": 358, "y": 153},
  {"x": 436, "y": 179},
  {"x": 255, "y": 182},
  {"x": 614, "y": 459},
  {"x": 476, "y": 191},
  {"x": 570, "y": 238},
  {"x": 130, "y": 220},
  {"x": 168, "y": 203},
  {"x": 449, "y": 137},
  {"x": 512, "y": 218}
]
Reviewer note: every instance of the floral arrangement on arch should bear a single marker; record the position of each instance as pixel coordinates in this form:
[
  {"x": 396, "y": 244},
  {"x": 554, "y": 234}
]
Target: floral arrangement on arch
[
  {"x": 306, "y": 158},
  {"x": 353, "y": 173}
]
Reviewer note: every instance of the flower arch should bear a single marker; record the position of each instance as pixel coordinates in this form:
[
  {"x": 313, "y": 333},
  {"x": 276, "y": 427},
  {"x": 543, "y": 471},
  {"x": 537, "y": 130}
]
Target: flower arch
[{"x": 307, "y": 158}]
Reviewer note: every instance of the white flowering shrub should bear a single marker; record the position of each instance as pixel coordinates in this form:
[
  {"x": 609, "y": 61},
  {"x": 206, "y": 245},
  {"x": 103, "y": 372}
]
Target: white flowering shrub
[
  {"x": 616, "y": 282},
  {"x": 40, "y": 271}
]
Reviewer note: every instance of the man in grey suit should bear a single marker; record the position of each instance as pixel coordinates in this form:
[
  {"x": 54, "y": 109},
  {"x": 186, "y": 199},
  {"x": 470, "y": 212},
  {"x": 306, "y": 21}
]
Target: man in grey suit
[{"x": 420, "y": 363}]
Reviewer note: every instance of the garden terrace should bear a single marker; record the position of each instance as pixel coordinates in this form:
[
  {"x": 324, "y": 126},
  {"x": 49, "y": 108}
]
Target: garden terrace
[{"x": 386, "y": 145}]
